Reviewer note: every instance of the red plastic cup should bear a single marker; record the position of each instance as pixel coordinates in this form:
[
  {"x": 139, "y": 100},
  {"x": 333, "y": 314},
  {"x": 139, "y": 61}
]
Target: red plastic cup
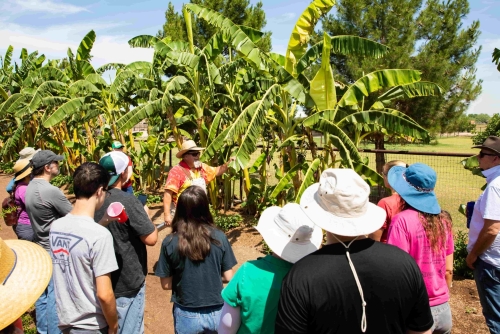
[{"x": 117, "y": 210}]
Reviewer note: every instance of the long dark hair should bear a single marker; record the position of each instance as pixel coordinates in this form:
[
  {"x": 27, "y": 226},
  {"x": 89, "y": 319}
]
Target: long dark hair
[{"x": 193, "y": 224}]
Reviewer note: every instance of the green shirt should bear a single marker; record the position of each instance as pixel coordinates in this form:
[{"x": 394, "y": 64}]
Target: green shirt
[{"x": 255, "y": 288}]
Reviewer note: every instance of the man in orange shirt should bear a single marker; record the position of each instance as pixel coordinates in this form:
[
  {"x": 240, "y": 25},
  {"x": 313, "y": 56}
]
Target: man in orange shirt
[{"x": 189, "y": 172}]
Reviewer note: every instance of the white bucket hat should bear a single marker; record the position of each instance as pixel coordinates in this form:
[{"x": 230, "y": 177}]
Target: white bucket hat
[
  {"x": 289, "y": 232},
  {"x": 339, "y": 204}
]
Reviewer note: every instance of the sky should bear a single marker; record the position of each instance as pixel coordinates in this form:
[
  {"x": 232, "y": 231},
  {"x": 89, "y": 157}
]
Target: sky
[{"x": 51, "y": 26}]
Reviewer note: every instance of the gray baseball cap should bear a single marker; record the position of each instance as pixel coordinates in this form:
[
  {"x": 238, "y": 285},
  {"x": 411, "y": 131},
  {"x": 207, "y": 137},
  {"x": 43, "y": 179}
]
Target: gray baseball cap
[{"x": 43, "y": 157}]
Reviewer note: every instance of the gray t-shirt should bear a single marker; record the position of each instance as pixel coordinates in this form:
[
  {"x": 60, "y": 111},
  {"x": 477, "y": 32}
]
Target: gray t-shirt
[
  {"x": 44, "y": 204},
  {"x": 81, "y": 250}
]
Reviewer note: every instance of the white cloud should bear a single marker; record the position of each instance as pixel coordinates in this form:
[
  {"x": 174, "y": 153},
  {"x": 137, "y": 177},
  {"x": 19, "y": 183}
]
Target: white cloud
[
  {"x": 54, "y": 41},
  {"x": 45, "y": 6}
]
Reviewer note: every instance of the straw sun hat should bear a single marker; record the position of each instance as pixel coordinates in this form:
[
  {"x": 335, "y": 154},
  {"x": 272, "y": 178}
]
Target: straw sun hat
[
  {"x": 25, "y": 272},
  {"x": 22, "y": 168},
  {"x": 288, "y": 232},
  {"x": 188, "y": 145}
]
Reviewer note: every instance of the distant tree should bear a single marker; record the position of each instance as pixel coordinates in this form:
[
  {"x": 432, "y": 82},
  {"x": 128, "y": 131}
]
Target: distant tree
[
  {"x": 238, "y": 11},
  {"x": 430, "y": 39},
  {"x": 492, "y": 129},
  {"x": 496, "y": 58},
  {"x": 479, "y": 118}
]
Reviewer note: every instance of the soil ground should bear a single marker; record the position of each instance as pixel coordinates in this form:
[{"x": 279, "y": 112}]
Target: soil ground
[{"x": 247, "y": 245}]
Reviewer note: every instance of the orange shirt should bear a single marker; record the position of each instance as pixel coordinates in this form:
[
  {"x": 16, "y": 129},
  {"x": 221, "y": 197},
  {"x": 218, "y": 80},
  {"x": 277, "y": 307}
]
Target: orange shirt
[
  {"x": 392, "y": 205},
  {"x": 178, "y": 181}
]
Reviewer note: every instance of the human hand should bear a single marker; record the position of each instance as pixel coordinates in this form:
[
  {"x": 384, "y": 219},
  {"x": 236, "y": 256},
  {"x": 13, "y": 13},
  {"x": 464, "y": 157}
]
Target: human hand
[
  {"x": 168, "y": 220},
  {"x": 471, "y": 258},
  {"x": 106, "y": 219},
  {"x": 113, "y": 330}
]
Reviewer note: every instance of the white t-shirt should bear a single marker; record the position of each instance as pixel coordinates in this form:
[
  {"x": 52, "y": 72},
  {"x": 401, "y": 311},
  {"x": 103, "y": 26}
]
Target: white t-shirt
[
  {"x": 487, "y": 207},
  {"x": 81, "y": 250}
]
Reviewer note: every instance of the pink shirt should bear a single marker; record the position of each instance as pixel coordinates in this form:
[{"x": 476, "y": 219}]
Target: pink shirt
[{"x": 406, "y": 232}]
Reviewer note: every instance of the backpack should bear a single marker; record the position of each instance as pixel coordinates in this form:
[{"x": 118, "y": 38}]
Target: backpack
[{"x": 9, "y": 211}]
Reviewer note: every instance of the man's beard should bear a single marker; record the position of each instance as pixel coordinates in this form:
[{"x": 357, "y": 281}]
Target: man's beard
[{"x": 197, "y": 164}]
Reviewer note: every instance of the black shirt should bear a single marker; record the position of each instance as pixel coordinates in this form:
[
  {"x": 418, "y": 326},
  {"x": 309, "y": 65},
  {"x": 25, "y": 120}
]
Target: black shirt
[
  {"x": 196, "y": 284},
  {"x": 320, "y": 295},
  {"x": 130, "y": 251}
]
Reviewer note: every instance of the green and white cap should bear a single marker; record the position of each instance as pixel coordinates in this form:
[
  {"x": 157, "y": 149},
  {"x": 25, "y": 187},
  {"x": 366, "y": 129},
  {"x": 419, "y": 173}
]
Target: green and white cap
[
  {"x": 114, "y": 163},
  {"x": 116, "y": 144}
]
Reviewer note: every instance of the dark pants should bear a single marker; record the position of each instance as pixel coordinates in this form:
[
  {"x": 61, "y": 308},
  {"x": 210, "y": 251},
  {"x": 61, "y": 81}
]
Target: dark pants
[
  {"x": 74, "y": 330},
  {"x": 23, "y": 231}
]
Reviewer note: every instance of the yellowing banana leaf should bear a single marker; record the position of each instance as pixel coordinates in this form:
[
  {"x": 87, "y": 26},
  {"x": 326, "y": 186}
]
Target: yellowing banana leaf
[
  {"x": 304, "y": 27},
  {"x": 322, "y": 88}
]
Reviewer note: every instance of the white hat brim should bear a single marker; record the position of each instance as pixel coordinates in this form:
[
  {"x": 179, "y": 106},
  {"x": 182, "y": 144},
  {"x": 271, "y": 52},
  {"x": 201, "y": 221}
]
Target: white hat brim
[
  {"x": 280, "y": 243},
  {"x": 27, "y": 281},
  {"x": 371, "y": 221}
]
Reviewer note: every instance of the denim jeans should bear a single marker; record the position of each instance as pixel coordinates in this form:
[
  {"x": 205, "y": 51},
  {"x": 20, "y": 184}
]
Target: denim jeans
[
  {"x": 131, "y": 312},
  {"x": 487, "y": 279},
  {"x": 442, "y": 319},
  {"x": 189, "y": 320},
  {"x": 46, "y": 313}
]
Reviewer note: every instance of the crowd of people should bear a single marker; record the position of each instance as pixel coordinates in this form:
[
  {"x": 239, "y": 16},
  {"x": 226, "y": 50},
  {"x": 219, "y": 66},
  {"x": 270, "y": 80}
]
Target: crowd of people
[{"x": 338, "y": 263}]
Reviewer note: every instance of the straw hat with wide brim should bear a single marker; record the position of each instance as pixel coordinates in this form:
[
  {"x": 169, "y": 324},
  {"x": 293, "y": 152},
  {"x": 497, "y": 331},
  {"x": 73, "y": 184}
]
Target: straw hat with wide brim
[
  {"x": 339, "y": 204},
  {"x": 188, "y": 145},
  {"x": 25, "y": 272},
  {"x": 289, "y": 232},
  {"x": 22, "y": 168}
]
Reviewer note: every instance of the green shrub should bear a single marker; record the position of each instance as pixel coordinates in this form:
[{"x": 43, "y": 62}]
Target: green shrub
[
  {"x": 6, "y": 167},
  {"x": 459, "y": 265},
  {"x": 226, "y": 222},
  {"x": 61, "y": 180},
  {"x": 28, "y": 320}
]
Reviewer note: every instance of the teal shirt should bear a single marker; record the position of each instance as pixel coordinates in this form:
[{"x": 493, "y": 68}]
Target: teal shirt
[{"x": 255, "y": 288}]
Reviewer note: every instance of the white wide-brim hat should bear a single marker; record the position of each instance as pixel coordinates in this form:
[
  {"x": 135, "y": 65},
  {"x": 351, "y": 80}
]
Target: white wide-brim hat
[
  {"x": 188, "y": 145},
  {"x": 25, "y": 272},
  {"x": 339, "y": 204},
  {"x": 289, "y": 232}
]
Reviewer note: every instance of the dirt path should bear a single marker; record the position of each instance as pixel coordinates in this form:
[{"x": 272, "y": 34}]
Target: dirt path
[{"x": 246, "y": 242}]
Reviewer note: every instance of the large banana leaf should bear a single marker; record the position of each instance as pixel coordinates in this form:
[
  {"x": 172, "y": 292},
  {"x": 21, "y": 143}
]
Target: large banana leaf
[
  {"x": 13, "y": 103},
  {"x": 322, "y": 88},
  {"x": 7, "y": 59},
  {"x": 3, "y": 94},
  {"x": 183, "y": 58},
  {"x": 134, "y": 116},
  {"x": 308, "y": 179},
  {"x": 328, "y": 127},
  {"x": 110, "y": 66},
  {"x": 343, "y": 45},
  {"x": 237, "y": 37},
  {"x": 388, "y": 121},
  {"x": 316, "y": 117},
  {"x": 43, "y": 90},
  {"x": 253, "y": 34},
  {"x": 372, "y": 177},
  {"x": 248, "y": 126},
  {"x": 82, "y": 88},
  {"x": 83, "y": 52},
  {"x": 37, "y": 77},
  {"x": 143, "y": 41},
  {"x": 96, "y": 79},
  {"x": 416, "y": 89},
  {"x": 69, "y": 108},
  {"x": 215, "y": 146},
  {"x": 286, "y": 181},
  {"x": 299, "y": 39},
  {"x": 142, "y": 67},
  {"x": 214, "y": 127},
  {"x": 376, "y": 81},
  {"x": 14, "y": 139},
  {"x": 343, "y": 151}
]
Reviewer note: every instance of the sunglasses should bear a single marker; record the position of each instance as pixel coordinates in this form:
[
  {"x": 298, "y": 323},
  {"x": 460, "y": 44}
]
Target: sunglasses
[
  {"x": 194, "y": 153},
  {"x": 482, "y": 154}
]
